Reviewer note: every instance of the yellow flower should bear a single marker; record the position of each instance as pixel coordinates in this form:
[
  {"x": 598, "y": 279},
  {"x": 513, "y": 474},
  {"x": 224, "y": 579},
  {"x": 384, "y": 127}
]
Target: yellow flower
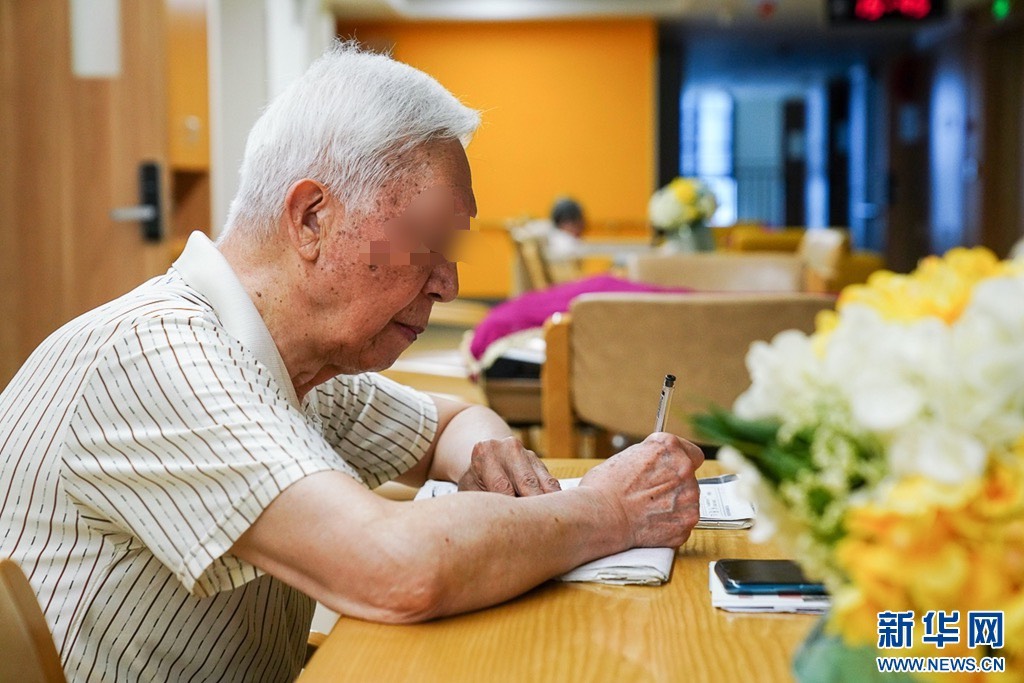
[
  {"x": 685, "y": 190},
  {"x": 933, "y": 547},
  {"x": 941, "y": 287}
]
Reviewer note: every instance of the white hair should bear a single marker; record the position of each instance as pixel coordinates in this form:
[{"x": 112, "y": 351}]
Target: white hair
[{"x": 346, "y": 122}]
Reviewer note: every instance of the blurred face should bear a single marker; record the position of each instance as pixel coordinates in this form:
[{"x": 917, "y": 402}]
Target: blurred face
[
  {"x": 382, "y": 269},
  {"x": 573, "y": 227}
]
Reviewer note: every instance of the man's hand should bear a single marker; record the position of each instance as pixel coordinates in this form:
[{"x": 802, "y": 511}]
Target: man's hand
[
  {"x": 654, "y": 486},
  {"x": 506, "y": 466}
]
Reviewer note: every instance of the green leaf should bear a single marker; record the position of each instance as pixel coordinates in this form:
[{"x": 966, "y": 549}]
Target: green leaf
[{"x": 726, "y": 427}]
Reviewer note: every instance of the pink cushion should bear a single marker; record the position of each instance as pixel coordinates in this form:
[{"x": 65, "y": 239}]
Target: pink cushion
[{"x": 533, "y": 308}]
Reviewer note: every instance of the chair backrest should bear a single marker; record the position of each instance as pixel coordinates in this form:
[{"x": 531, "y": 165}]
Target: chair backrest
[
  {"x": 756, "y": 238},
  {"x": 532, "y": 259},
  {"x": 605, "y": 365},
  {"x": 821, "y": 249},
  {"x": 29, "y": 655},
  {"x": 720, "y": 272}
]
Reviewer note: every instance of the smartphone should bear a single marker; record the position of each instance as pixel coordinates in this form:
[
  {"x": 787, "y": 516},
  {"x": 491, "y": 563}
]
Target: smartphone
[{"x": 765, "y": 576}]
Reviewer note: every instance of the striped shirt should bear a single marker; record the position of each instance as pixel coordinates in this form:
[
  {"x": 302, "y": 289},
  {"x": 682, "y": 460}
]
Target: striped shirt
[{"x": 140, "y": 440}]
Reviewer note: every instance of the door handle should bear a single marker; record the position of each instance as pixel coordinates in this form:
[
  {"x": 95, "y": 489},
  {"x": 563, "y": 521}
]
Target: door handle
[
  {"x": 147, "y": 211},
  {"x": 129, "y": 214}
]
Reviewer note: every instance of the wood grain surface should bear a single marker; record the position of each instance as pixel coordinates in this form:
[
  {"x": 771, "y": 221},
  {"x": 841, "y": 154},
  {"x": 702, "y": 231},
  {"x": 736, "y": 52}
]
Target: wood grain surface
[{"x": 582, "y": 632}]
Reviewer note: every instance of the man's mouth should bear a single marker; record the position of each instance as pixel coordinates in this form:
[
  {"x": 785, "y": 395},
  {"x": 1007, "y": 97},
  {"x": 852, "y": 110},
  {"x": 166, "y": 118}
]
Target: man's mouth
[{"x": 411, "y": 331}]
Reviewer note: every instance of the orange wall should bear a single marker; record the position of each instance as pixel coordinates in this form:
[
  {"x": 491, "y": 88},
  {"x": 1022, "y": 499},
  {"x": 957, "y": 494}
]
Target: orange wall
[{"x": 568, "y": 108}]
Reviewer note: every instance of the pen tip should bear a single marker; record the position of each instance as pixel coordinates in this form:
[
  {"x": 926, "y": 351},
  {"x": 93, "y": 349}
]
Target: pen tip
[{"x": 670, "y": 380}]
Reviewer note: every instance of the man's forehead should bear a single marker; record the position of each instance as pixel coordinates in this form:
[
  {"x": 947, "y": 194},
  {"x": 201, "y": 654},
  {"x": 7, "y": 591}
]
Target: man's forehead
[
  {"x": 427, "y": 232},
  {"x": 440, "y": 198},
  {"x": 431, "y": 171},
  {"x": 439, "y": 205}
]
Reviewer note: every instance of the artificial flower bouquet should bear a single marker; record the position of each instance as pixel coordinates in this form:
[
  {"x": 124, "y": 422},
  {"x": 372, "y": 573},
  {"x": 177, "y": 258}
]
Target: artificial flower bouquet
[
  {"x": 681, "y": 211},
  {"x": 886, "y": 452}
]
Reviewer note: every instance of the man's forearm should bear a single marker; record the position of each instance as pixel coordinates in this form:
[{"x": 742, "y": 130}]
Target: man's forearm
[
  {"x": 369, "y": 557},
  {"x": 482, "y": 549}
]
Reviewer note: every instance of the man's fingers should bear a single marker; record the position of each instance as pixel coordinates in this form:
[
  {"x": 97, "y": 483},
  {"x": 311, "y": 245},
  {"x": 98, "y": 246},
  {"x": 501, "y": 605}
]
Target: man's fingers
[
  {"x": 548, "y": 484},
  {"x": 505, "y": 466},
  {"x": 694, "y": 453},
  {"x": 524, "y": 476},
  {"x": 493, "y": 478},
  {"x": 675, "y": 443}
]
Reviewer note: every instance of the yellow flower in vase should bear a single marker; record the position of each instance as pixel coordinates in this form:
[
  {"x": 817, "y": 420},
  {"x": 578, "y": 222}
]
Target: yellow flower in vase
[
  {"x": 890, "y": 448},
  {"x": 681, "y": 210}
]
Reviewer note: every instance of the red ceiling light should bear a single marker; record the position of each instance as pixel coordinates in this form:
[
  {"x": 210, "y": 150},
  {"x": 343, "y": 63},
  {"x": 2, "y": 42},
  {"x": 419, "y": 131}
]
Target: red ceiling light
[{"x": 873, "y": 10}]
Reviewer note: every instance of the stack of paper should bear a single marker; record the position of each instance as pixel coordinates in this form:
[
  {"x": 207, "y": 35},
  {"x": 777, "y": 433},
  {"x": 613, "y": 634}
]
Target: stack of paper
[
  {"x": 769, "y": 602},
  {"x": 722, "y": 506},
  {"x": 644, "y": 566}
]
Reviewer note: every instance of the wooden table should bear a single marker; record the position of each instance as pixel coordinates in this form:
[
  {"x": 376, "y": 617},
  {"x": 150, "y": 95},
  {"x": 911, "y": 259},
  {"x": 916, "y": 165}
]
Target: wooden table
[{"x": 582, "y": 632}]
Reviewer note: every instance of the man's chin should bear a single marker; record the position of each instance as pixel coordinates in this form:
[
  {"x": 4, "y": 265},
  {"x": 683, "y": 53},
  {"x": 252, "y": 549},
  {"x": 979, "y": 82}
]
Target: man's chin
[{"x": 382, "y": 362}]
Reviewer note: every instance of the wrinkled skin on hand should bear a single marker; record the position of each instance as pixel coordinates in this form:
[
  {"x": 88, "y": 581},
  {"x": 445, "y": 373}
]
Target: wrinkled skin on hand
[
  {"x": 653, "y": 483},
  {"x": 506, "y": 466}
]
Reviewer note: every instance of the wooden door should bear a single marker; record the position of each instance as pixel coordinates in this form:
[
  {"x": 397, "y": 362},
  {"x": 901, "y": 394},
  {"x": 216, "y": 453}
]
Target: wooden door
[
  {"x": 1002, "y": 200},
  {"x": 794, "y": 161},
  {"x": 70, "y": 149},
  {"x": 909, "y": 81}
]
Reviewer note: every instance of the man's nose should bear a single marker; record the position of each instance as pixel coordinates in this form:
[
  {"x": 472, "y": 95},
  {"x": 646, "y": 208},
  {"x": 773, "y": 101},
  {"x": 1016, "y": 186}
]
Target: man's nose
[{"x": 443, "y": 283}]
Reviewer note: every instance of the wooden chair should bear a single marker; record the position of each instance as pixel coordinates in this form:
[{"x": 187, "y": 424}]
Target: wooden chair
[
  {"x": 720, "y": 272},
  {"x": 313, "y": 643},
  {"x": 757, "y": 238},
  {"x": 831, "y": 264},
  {"x": 607, "y": 357},
  {"x": 534, "y": 271},
  {"x": 28, "y": 653}
]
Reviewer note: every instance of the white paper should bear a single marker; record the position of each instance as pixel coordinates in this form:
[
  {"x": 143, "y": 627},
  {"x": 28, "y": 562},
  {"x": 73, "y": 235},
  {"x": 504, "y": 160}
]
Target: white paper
[
  {"x": 722, "y": 506},
  {"x": 645, "y": 566}
]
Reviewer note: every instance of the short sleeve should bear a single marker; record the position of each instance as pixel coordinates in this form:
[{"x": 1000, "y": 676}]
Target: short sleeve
[
  {"x": 380, "y": 427},
  {"x": 179, "y": 440}
]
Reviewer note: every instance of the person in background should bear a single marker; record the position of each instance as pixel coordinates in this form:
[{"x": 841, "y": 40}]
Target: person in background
[
  {"x": 568, "y": 223},
  {"x": 186, "y": 469}
]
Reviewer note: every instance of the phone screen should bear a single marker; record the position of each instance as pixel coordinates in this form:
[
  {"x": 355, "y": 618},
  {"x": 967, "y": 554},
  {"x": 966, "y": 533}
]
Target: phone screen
[{"x": 765, "y": 576}]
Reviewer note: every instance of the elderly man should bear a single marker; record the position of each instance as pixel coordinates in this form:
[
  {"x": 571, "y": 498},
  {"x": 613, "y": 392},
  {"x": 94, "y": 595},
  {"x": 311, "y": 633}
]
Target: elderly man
[{"x": 185, "y": 469}]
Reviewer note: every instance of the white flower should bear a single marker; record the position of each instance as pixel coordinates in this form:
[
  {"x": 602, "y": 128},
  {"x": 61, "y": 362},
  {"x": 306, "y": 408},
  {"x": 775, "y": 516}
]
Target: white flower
[
  {"x": 782, "y": 374},
  {"x": 936, "y": 451},
  {"x": 888, "y": 372},
  {"x": 988, "y": 352},
  {"x": 664, "y": 209},
  {"x": 682, "y": 202},
  {"x": 751, "y": 486}
]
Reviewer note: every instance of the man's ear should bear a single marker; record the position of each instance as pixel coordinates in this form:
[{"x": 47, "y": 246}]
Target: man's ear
[{"x": 303, "y": 207}]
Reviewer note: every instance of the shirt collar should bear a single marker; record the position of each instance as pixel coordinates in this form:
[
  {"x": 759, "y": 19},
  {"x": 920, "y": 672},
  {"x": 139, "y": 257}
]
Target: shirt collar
[{"x": 204, "y": 269}]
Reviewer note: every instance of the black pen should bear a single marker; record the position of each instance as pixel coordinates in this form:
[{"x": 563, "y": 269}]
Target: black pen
[{"x": 666, "y": 397}]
